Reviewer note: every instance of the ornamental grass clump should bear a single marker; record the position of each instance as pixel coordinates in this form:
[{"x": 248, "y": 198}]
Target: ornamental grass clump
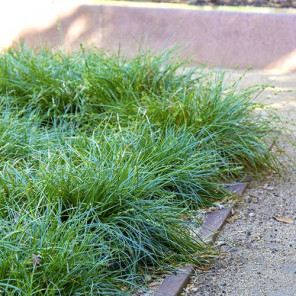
[{"x": 103, "y": 158}]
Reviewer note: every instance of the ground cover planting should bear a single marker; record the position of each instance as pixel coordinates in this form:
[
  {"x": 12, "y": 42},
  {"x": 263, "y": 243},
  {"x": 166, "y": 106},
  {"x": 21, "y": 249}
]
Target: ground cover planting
[{"x": 104, "y": 157}]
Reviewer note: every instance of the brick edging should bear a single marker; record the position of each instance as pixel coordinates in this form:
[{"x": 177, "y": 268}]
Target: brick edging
[{"x": 173, "y": 285}]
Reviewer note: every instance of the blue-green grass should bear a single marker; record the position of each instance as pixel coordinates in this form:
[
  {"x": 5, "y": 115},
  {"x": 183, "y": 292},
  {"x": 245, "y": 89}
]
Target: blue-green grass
[{"x": 103, "y": 157}]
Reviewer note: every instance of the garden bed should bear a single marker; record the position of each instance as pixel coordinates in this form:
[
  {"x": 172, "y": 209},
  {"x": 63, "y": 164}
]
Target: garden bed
[
  {"x": 106, "y": 161},
  {"x": 214, "y": 3}
]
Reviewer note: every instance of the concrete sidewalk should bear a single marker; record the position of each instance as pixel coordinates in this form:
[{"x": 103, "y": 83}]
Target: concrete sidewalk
[{"x": 261, "y": 38}]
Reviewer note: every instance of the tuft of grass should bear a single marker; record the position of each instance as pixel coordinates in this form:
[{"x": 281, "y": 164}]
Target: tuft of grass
[{"x": 103, "y": 157}]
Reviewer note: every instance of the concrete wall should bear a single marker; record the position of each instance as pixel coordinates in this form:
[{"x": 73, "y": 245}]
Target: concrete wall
[{"x": 219, "y": 38}]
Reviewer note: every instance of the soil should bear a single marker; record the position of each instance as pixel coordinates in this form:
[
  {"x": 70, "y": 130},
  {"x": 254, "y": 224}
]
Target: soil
[
  {"x": 258, "y": 252},
  {"x": 256, "y": 3}
]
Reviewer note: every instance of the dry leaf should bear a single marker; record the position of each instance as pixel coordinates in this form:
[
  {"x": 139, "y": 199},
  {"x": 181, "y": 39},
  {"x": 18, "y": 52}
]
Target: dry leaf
[
  {"x": 283, "y": 220},
  {"x": 154, "y": 284}
]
